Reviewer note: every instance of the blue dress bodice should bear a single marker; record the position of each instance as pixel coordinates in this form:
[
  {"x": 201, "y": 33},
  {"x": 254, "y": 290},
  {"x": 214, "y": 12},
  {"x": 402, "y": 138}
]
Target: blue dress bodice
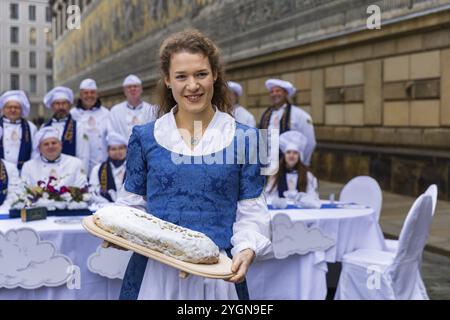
[{"x": 197, "y": 192}]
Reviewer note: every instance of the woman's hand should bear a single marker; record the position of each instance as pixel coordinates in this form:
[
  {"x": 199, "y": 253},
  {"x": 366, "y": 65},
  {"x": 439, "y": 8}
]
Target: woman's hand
[
  {"x": 241, "y": 263},
  {"x": 107, "y": 245}
]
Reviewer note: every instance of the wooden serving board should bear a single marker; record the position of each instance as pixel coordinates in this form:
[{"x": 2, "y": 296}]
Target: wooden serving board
[{"x": 221, "y": 270}]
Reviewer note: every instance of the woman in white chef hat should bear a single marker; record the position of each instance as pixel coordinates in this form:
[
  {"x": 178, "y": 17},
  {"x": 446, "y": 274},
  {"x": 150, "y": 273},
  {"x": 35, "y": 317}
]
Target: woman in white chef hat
[
  {"x": 292, "y": 175},
  {"x": 107, "y": 178},
  {"x": 16, "y": 143}
]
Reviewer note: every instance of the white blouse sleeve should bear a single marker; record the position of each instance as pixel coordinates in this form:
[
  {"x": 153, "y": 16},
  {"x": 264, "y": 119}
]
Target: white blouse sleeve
[
  {"x": 128, "y": 199},
  {"x": 252, "y": 227}
]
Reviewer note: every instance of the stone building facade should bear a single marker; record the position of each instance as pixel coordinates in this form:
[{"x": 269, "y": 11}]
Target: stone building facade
[{"x": 380, "y": 99}]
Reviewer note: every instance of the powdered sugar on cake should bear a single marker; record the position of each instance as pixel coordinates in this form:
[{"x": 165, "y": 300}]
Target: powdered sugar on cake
[{"x": 146, "y": 230}]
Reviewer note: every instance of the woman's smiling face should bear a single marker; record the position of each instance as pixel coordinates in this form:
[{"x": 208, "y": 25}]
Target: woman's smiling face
[{"x": 192, "y": 81}]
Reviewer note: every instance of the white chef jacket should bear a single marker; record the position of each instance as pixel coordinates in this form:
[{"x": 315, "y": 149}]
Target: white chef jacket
[
  {"x": 15, "y": 186},
  {"x": 94, "y": 182},
  {"x": 12, "y": 137},
  {"x": 243, "y": 116},
  {"x": 95, "y": 123},
  {"x": 68, "y": 170},
  {"x": 123, "y": 117},
  {"x": 300, "y": 121}
]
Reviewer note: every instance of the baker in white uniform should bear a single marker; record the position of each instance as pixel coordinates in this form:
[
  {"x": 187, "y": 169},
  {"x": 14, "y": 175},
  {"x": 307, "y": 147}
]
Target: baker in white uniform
[
  {"x": 10, "y": 185},
  {"x": 239, "y": 112},
  {"x": 16, "y": 143},
  {"x": 107, "y": 178},
  {"x": 74, "y": 137},
  {"x": 67, "y": 170},
  {"x": 95, "y": 118},
  {"x": 284, "y": 116},
  {"x": 134, "y": 111}
]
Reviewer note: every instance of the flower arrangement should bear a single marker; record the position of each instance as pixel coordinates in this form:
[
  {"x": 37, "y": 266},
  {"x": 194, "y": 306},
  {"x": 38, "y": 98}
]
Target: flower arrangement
[{"x": 47, "y": 194}]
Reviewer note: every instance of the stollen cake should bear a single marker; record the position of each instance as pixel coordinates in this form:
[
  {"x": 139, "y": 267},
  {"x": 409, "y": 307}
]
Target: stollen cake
[{"x": 153, "y": 233}]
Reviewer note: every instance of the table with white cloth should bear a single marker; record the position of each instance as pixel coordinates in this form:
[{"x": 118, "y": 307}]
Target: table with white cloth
[
  {"x": 299, "y": 277},
  {"x": 71, "y": 240}
]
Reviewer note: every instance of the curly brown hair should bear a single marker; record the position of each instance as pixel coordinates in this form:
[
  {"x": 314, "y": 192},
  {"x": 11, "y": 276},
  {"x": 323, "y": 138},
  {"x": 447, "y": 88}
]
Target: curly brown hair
[
  {"x": 302, "y": 172},
  {"x": 192, "y": 41}
]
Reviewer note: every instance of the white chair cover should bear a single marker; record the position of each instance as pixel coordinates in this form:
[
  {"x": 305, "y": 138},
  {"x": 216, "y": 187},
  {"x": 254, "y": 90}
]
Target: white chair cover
[
  {"x": 363, "y": 190},
  {"x": 392, "y": 245},
  {"x": 433, "y": 192},
  {"x": 397, "y": 275},
  {"x": 405, "y": 270}
]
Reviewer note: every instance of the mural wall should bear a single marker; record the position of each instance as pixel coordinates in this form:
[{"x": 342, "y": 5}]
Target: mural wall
[{"x": 114, "y": 25}]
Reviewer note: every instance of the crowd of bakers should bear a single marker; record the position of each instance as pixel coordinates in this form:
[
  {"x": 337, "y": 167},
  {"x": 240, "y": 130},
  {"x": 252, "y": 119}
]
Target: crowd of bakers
[{"x": 85, "y": 143}]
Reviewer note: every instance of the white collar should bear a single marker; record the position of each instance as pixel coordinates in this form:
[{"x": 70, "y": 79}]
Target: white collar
[
  {"x": 138, "y": 107},
  {"x": 218, "y": 135},
  {"x": 57, "y": 160},
  {"x": 119, "y": 167},
  {"x": 79, "y": 111},
  {"x": 284, "y": 106},
  {"x": 63, "y": 120},
  {"x": 6, "y": 120}
]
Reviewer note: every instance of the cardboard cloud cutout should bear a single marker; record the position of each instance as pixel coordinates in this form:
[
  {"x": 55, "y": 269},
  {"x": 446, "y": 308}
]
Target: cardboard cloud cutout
[
  {"x": 290, "y": 238},
  {"x": 29, "y": 263},
  {"x": 110, "y": 262}
]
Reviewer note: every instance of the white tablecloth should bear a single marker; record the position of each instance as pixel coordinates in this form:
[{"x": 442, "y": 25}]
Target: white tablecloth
[
  {"x": 73, "y": 241},
  {"x": 296, "y": 277},
  {"x": 302, "y": 276}
]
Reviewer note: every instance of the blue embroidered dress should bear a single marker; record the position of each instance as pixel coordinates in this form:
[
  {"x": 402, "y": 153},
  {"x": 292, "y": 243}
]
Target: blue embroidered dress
[{"x": 200, "y": 192}]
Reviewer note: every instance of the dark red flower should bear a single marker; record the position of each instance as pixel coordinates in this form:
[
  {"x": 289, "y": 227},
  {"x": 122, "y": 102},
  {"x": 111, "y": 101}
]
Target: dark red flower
[{"x": 64, "y": 190}]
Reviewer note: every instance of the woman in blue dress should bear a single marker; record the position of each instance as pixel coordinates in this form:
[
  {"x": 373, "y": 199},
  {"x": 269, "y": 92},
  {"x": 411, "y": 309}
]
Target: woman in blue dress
[{"x": 195, "y": 167}]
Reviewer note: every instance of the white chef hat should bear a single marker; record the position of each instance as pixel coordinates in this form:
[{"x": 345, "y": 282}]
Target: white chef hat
[
  {"x": 286, "y": 85},
  {"x": 88, "y": 84},
  {"x": 115, "y": 139},
  {"x": 58, "y": 93},
  {"x": 293, "y": 141},
  {"x": 17, "y": 96},
  {"x": 131, "y": 80},
  {"x": 235, "y": 87},
  {"x": 45, "y": 133}
]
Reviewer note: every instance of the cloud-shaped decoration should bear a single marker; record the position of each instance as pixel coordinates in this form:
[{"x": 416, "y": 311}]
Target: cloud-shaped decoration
[
  {"x": 29, "y": 263},
  {"x": 111, "y": 263},
  {"x": 290, "y": 237}
]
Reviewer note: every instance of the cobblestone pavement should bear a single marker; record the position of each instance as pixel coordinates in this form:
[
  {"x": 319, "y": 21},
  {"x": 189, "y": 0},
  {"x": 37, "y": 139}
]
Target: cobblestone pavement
[{"x": 436, "y": 275}]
